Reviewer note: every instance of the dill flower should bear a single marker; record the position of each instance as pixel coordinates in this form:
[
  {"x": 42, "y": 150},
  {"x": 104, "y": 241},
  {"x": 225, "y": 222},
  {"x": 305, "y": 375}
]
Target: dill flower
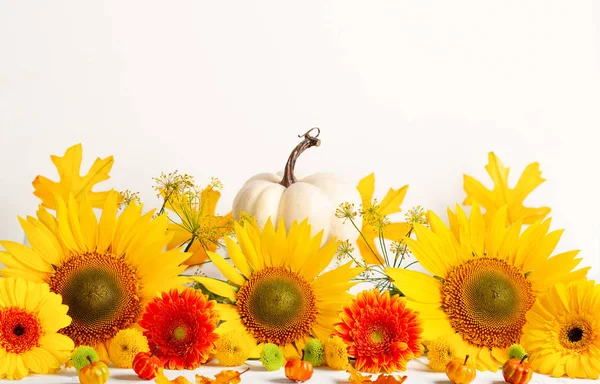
[
  {"x": 416, "y": 215},
  {"x": 336, "y": 353},
  {"x": 129, "y": 197},
  {"x": 346, "y": 211},
  {"x": 233, "y": 348},
  {"x": 125, "y": 345},
  {"x": 439, "y": 352},
  {"x": 198, "y": 225}
]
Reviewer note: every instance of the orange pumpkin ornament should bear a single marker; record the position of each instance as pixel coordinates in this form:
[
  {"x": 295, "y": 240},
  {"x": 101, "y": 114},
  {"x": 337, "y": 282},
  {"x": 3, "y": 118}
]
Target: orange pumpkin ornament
[
  {"x": 516, "y": 371},
  {"x": 459, "y": 372},
  {"x": 94, "y": 373},
  {"x": 146, "y": 365},
  {"x": 298, "y": 370}
]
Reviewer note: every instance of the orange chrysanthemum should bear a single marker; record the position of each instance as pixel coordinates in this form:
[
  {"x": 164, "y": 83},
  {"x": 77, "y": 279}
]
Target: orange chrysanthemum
[
  {"x": 380, "y": 331},
  {"x": 181, "y": 325}
]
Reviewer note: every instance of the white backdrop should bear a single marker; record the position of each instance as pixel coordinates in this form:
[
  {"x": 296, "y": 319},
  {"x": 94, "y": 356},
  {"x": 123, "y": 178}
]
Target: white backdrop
[{"x": 418, "y": 92}]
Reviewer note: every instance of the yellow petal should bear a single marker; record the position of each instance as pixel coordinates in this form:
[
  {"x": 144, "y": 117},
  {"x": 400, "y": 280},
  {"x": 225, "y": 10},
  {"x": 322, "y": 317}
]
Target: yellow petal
[
  {"x": 415, "y": 285},
  {"x": 108, "y": 222},
  {"x": 226, "y": 269},
  {"x": 366, "y": 187},
  {"x": 237, "y": 257},
  {"x": 219, "y": 287}
]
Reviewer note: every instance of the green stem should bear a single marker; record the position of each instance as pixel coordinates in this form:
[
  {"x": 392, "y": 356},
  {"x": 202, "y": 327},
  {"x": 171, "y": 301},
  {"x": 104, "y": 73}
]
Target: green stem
[
  {"x": 414, "y": 262},
  {"x": 383, "y": 249},
  {"x": 190, "y": 244},
  {"x": 164, "y": 204}
]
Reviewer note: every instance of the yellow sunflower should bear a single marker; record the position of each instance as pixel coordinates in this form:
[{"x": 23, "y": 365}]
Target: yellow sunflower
[
  {"x": 30, "y": 317},
  {"x": 389, "y": 205},
  {"x": 279, "y": 296},
  {"x": 484, "y": 281},
  {"x": 501, "y": 195},
  {"x": 105, "y": 271},
  {"x": 562, "y": 334}
]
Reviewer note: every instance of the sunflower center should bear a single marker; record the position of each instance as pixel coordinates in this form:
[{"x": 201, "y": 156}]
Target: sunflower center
[
  {"x": 102, "y": 292},
  {"x": 576, "y": 334},
  {"x": 179, "y": 333},
  {"x": 486, "y": 300},
  {"x": 20, "y": 330},
  {"x": 277, "y": 306}
]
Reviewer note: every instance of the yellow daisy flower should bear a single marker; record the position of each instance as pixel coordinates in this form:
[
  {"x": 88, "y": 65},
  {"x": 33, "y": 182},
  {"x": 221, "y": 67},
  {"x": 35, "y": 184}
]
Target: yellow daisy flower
[
  {"x": 501, "y": 195},
  {"x": 279, "y": 296},
  {"x": 71, "y": 183},
  {"x": 562, "y": 334},
  {"x": 389, "y": 205},
  {"x": 485, "y": 280},
  {"x": 106, "y": 271},
  {"x": 30, "y": 317}
]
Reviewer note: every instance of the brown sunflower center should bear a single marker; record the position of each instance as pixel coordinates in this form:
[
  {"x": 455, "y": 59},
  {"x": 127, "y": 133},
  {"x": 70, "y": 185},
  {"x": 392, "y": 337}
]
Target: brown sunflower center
[
  {"x": 576, "y": 334},
  {"x": 102, "y": 292},
  {"x": 277, "y": 306},
  {"x": 20, "y": 330},
  {"x": 486, "y": 300}
]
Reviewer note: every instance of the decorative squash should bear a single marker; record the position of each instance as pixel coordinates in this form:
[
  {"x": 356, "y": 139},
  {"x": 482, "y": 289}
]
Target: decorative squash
[
  {"x": 516, "y": 371},
  {"x": 316, "y": 197},
  {"x": 459, "y": 372}
]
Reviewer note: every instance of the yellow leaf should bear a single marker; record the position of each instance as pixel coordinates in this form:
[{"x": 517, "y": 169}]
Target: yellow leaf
[
  {"x": 162, "y": 379},
  {"x": 223, "y": 377},
  {"x": 356, "y": 377},
  {"x": 390, "y": 379},
  {"x": 71, "y": 182},
  {"x": 502, "y": 195}
]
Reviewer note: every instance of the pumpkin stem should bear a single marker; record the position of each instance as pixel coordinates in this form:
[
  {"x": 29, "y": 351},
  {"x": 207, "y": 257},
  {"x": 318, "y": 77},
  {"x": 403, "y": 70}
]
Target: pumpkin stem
[
  {"x": 523, "y": 359},
  {"x": 466, "y": 358},
  {"x": 309, "y": 141},
  {"x": 153, "y": 352}
]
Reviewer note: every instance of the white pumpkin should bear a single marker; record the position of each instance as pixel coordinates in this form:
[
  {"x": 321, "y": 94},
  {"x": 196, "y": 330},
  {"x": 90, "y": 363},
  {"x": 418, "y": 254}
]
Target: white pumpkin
[{"x": 316, "y": 197}]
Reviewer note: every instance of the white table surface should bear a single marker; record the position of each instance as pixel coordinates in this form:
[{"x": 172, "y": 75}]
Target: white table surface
[{"x": 417, "y": 373}]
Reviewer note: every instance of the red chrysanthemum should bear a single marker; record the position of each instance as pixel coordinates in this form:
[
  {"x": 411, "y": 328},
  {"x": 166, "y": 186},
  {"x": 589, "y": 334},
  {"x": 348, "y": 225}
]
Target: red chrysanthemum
[
  {"x": 380, "y": 331},
  {"x": 181, "y": 325}
]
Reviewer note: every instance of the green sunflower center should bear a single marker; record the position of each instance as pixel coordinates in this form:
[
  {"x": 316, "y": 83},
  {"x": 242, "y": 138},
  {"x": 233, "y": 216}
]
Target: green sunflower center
[
  {"x": 102, "y": 293},
  {"x": 486, "y": 300},
  {"x": 277, "y": 306}
]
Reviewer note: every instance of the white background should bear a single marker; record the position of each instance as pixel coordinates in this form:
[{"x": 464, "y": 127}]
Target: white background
[{"x": 417, "y": 92}]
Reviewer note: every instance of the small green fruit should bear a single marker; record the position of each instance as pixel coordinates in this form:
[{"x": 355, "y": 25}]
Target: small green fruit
[
  {"x": 516, "y": 351},
  {"x": 314, "y": 353},
  {"x": 82, "y": 355},
  {"x": 271, "y": 357}
]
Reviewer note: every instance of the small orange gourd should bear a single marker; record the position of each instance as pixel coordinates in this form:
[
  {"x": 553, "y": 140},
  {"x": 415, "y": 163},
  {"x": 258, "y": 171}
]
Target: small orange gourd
[
  {"x": 516, "y": 371},
  {"x": 460, "y": 372}
]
